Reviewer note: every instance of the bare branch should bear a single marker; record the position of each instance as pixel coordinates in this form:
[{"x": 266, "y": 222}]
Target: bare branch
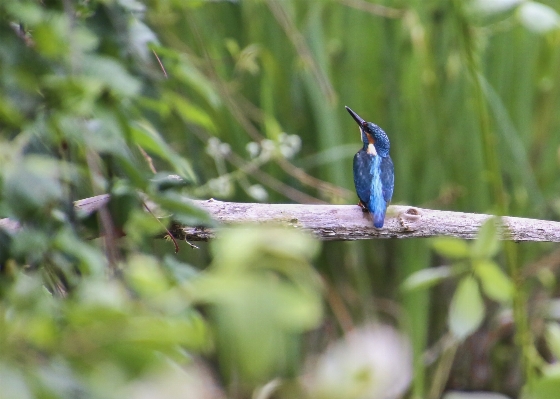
[{"x": 348, "y": 222}]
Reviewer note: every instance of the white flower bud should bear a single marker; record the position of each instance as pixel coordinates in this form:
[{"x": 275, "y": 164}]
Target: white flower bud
[
  {"x": 258, "y": 192},
  {"x": 253, "y": 149}
]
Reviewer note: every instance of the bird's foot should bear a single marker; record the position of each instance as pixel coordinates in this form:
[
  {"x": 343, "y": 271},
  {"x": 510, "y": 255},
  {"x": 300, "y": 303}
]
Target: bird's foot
[{"x": 363, "y": 206}]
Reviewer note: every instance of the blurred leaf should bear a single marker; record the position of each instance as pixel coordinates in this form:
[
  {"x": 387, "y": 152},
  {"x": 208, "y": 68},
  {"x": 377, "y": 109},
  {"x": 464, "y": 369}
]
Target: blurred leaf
[
  {"x": 27, "y": 12},
  {"x": 426, "y": 278},
  {"x": 141, "y": 36},
  {"x": 261, "y": 299},
  {"x": 76, "y": 94},
  {"x": 553, "y": 309},
  {"x": 495, "y": 283},
  {"x": 145, "y": 276},
  {"x": 91, "y": 260},
  {"x": 552, "y": 336},
  {"x": 13, "y": 383},
  {"x": 30, "y": 188},
  {"x": 487, "y": 243},
  {"x": 452, "y": 248},
  {"x": 287, "y": 245},
  {"x": 538, "y": 17},
  {"x": 164, "y": 181},
  {"x": 190, "y": 75},
  {"x": 150, "y": 140},
  {"x": 9, "y": 113},
  {"x": 141, "y": 227},
  {"x": 180, "y": 271},
  {"x": 190, "y": 112},
  {"x": 546, "y": 387},
  {"x": 166, "y": 333},
  {"x": 30, "y": 245},
  {"x": 494, "y": 6},
  {"x": 183, "y": 210},
  {"x": 112, "y": 75},
  {"x": 466, "y": 311},
  {"x": 51, "y": 35}
]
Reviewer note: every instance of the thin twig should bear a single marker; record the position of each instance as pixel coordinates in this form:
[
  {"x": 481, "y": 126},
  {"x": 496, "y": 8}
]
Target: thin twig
[
  {"x": 148, "y": 159},
  {"x": 160, "y": 64},
  {"x": 168, "y": 235}
]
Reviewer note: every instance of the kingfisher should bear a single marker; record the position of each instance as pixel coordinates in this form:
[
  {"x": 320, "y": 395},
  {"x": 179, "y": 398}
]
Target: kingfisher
[{"x": 374, "y": 175}]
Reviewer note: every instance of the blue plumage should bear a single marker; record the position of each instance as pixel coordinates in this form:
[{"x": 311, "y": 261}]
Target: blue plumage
[{"x": 374, "y": 175}]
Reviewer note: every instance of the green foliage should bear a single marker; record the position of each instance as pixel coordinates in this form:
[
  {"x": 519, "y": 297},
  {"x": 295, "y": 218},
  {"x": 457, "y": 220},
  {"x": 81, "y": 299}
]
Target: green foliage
[
  {"x": 475, "y": 265},
  {"x": 261, "y": 300},
  {"x": 101, "y": 324},
  {"x": 466, "y": 310}
]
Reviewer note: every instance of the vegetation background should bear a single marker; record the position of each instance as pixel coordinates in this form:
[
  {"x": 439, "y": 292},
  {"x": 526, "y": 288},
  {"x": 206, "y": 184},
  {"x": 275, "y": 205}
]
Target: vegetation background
[{"x": 245, "y": 101}]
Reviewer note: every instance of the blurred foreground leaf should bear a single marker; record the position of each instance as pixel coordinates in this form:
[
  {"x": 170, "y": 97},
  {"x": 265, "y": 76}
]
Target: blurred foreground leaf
[
  {"x": 262, "y": 293},
  {"x": 450, "y": 247},
  {"x": 495, "y": 283},
  {"x": 427, "y": 278},
  {"x": 466, "y": 311}
]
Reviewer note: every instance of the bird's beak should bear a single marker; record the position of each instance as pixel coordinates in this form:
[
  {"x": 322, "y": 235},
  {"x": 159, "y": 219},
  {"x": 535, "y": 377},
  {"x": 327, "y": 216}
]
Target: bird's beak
[{"x": 356, "y": 117}]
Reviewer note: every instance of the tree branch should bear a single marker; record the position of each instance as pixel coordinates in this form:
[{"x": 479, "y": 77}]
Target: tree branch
[
  {"x": 349, "y": 222},
  {"x": 346, "y": 222}
]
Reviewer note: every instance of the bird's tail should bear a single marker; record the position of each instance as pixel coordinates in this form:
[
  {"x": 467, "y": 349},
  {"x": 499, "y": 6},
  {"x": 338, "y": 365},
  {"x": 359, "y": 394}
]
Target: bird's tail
[{"x": 378, "y": 219}]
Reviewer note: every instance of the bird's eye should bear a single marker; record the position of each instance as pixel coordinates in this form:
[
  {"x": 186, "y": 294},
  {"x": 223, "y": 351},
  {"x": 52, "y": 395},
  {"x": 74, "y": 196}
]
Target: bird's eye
[{"x": 364, "y": 124}]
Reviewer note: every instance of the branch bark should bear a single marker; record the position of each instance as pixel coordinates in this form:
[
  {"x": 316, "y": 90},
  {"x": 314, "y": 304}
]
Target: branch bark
[{"x": 347, "y": 222}]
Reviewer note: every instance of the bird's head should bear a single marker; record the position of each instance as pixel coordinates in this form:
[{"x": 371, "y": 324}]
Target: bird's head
[{"x": 372, "y": 134}]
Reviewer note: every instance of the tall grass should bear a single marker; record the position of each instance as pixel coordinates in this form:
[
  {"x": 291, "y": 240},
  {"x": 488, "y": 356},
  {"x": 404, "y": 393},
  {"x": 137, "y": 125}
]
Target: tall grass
[{"x": 469, "y": 103}]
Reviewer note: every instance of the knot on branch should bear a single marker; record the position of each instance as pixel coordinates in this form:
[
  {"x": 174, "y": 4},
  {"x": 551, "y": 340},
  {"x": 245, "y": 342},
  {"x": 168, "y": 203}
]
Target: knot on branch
[{"x": 411, "y": 219}]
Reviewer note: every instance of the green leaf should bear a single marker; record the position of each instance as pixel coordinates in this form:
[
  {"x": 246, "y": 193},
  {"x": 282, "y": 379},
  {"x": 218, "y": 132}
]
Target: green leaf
[
  {"x": 163, "y": 181},
  {"x": 192, "y": 77},
  {"x": 487, "y": 243},
  {"x": 51, "y": 35},
  {"x": 140, "y": 37},
  {"x": 112, "y": 75},
  {"x": 190, "y": 112},
  {"x": 33, "y": 187},
  {"x": 495, "y": 283},
  {"x": 184, "y": 211},
  {"x": 180, "y": 272},
  {"x": 91, "y": 261},
  {"x": 467, "y": 309},
  {"x": 150, "y": 140},
  {"x": 546, "y": 387},
  {"x": 261, "y": 298},
  {"x": 452, "y": 248},
  {"x": 25, "y": 12},
  {"x": 145, "y": 276},
  {"x": 426, "y": 278}
]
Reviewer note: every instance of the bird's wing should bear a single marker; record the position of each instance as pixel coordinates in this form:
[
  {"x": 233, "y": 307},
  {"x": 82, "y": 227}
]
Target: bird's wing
[
  {"x": 387, "y": 178},
  {"x": 362, "y": 177}
]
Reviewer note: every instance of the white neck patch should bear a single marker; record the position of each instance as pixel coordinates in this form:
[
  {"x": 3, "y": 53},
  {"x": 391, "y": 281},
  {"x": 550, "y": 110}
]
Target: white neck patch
[{"x": 371, "y": 150}]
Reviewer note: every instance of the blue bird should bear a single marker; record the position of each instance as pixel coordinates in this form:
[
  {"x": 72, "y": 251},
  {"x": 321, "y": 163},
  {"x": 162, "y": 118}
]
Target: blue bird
[{"x": 374, "y": 175}]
